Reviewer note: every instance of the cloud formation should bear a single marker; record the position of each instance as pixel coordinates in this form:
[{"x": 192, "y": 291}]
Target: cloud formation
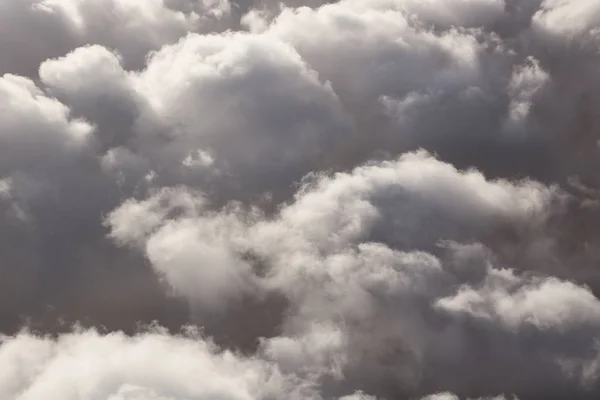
[{"x": 350, "y": 200}]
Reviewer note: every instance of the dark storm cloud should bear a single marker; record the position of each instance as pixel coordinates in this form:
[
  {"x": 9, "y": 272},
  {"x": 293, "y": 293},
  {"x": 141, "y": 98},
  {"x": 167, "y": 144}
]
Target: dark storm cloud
[{"x": 252, "y": 169}]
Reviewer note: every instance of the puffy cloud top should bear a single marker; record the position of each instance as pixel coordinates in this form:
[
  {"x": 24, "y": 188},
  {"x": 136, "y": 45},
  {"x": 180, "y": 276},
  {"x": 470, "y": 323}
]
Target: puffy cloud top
[{"x": 341, "y": 200}]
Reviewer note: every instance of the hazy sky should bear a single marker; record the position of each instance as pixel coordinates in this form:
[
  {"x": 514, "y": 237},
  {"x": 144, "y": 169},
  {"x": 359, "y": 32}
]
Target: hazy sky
[{"x": 303, "y": 200}]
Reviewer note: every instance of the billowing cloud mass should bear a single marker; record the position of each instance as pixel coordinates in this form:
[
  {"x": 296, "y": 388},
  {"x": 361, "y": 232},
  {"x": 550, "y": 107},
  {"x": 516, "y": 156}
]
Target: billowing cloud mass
[{"x": 299, "y": 199}]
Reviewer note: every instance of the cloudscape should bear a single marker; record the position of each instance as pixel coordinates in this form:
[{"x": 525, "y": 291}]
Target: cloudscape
[{"x": 299, "y": 199}]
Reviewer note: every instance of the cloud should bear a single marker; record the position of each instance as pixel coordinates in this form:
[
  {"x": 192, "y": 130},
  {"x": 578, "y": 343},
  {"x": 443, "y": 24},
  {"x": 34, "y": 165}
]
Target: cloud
[
  {"x": 568, "y": 19},
  {"x": 144, "y": 126},
  {"x": 31, "y": 119},
  {"x": 351, "y": 200},
  {"x": 35, "y": 30},
  {"x": 372, "y": 299},
  {"x": 193, "y": 254},
  {"x": 544, "y": 304},
  {"x": 86, "y": 364},
  {"x": 450, "y": 396}
]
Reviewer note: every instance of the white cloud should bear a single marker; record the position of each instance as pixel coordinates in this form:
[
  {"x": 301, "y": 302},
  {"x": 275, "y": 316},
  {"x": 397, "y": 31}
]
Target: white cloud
[
  {"x": 36, "y": 130},
  {"x": 153, "y": 366},
  {"x": 543, "y": 303},
  {"x": 354, "y": 300},
  {"x": 268, "y": 178},
  {"x": 569, "y": 19}
]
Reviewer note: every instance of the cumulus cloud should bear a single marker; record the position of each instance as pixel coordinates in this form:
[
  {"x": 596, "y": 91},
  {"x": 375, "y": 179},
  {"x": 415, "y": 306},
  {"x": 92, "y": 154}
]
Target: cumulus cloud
[
  {"x": 34, "y": 30},
  {"x": 351, "y": 200},
  {"x": 86, "y": 364},
  {"x": 568, "y": 19},
  {"x": 374, "y": 303}
]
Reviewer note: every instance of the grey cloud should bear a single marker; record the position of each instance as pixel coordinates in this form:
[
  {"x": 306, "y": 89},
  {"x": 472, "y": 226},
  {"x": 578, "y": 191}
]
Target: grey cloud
[
  {"x": 378, "y": 312},
  {"x": 34, "y": 30},
  {"x": 450, "y": 396},
  {"x": 253, "y": 168}
]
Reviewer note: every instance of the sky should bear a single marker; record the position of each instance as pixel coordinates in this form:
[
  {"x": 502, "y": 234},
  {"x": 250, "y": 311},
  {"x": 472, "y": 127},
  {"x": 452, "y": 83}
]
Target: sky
[{"x": 299, "y": 199}]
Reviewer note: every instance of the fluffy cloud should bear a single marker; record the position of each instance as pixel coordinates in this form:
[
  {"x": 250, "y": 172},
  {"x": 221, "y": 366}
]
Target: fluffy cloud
[
  {"x": 569, "y": 19},
  {"x": 148, "y": 121},
  {"x": 253, "y": 169},
  {"x": 372, "y": 299},
  {"x": 545, "y": 304},
  {"x": 36, "y": 127},
  {"x": 86, "y": 364},
  {"x": 34, "y": 30},
  {"x": 155, "y": 365}
]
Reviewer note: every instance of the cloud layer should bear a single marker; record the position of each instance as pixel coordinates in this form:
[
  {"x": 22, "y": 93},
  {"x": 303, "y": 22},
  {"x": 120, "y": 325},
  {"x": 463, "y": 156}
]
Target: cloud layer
[{"x": 351, "y": 200}]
